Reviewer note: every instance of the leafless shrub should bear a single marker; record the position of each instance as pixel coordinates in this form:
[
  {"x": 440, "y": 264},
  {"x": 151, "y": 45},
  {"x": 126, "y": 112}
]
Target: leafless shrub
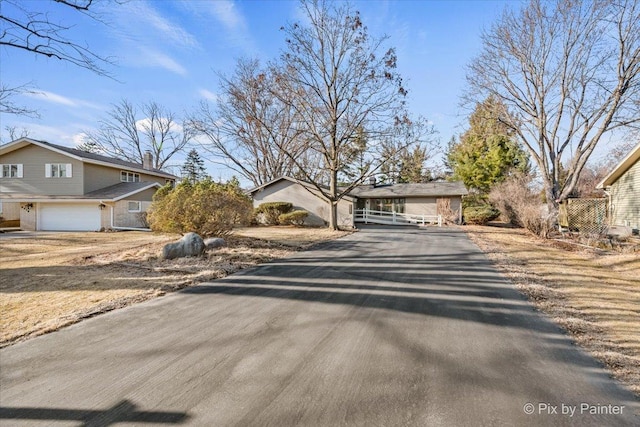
[{"x": 520, "y": 204}]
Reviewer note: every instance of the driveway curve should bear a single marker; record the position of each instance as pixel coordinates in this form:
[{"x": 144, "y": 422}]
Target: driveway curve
[{"x": 387, "y": 326}]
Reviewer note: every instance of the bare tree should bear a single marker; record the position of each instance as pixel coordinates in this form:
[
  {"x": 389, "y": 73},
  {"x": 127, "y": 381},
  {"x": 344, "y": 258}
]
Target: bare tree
[
  {"x": 15, "y": 133},
  {"x": 128, "y": 132},
  {"x": 25, "y": 28},
  {"x": 568, "y": 72},
  {"x": 338, "y": 82},
  {"x": 249, "y": 129},
  {"x": 8, "y": 104}
]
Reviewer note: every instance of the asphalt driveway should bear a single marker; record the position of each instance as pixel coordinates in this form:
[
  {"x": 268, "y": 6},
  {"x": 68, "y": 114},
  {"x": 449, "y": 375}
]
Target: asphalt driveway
[{"x": 387, "y": 326}]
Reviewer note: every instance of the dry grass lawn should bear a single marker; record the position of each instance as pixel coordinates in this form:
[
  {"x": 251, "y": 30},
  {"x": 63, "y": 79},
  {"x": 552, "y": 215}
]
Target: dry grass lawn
[
  {"x": 594, "y": 295},
  {"x": 56, "y": 279}
]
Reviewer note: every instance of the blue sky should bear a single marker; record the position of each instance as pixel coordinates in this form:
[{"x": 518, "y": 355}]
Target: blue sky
[{"x": 169, "y": 51}]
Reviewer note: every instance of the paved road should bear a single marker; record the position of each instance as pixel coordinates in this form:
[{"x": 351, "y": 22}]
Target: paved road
[{"x": 384, "y": 327}]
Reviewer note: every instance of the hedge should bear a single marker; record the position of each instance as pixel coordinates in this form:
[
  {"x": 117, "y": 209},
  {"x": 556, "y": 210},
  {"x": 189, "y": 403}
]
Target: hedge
[{"x": 295, "y": 217}]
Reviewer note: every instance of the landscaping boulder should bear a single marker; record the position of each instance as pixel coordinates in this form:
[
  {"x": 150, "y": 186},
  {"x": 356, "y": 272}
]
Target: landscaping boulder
[
  {"x": 190, "y": 245},
  {"x": 213, "y": 242}
]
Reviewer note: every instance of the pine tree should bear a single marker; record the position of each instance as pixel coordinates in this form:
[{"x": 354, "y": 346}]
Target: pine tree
[
  {"x": 486, "y": 153},
  {"x": 193, "y": 169}
]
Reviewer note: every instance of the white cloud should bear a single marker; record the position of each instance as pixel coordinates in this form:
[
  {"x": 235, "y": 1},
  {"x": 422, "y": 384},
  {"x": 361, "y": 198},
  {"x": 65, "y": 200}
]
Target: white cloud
[
  {"x": 168, "y": 30},
  {"x": 60, "y": 135},
  {"x": 145, "y": 123},
  {"x": 62, "y": 100},
  {"x": 226, "y": 12},
  {"x": 208, "y": 95},
  {"x": 149, "y": 57},
  {"x": 147, "y": 37}
]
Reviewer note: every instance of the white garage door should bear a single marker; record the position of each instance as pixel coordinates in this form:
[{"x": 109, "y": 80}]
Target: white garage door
[{"x": 69, "y": 217}]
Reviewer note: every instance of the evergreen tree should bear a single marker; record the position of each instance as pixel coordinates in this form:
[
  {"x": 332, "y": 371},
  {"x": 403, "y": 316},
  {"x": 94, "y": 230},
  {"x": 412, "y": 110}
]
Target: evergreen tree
[
  {"x": 486, "y": 153},
  {"x": 193, "y": 169}
]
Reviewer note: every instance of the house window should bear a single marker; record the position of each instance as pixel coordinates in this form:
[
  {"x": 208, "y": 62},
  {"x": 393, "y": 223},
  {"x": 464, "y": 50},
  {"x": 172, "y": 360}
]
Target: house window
[
  {"x": 135, "y": 206},
  {"x": 388, "y": 205},
  {"x": 129, "y": 176},
  {"x": 11, "y": 171},
  {"x": 57, "y": 170}
]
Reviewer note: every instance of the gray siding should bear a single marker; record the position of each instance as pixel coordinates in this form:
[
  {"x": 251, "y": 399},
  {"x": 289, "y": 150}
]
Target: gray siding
[
  {"x": 33, "y": 159},
  {"x": 123, "y": 218},
  {"x": 287, "y": 191},
  {"x": 421, "y": 206},
  {"x": 10, "y": 210},
  {"x": 625, "y": 198},
  {"x": 97, "y": 177},
  {"x": 143, "y": 196}
]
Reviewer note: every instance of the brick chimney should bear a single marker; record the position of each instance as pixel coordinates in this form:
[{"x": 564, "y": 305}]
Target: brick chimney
[
  {"x": 147, "y": 160},
  {"x": 372, "y": 181}
]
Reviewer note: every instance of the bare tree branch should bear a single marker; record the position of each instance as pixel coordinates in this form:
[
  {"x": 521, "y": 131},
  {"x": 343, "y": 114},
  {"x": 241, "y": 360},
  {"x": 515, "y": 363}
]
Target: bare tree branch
[
  {"x": 569, "y": 73},
  {"x": 128, "y": 132},
  {"x": 339, "y": 81},
  {"x": 249, "y": 128},
  {"x": 24, "y": 27}
]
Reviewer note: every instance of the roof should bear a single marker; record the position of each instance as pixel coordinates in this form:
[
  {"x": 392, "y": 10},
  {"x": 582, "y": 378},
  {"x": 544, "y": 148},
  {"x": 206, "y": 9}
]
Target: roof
[
  {"x": 429, "y": 189},
  {"x": 108, "y": 194},
  {"x": 84, "y": 156},
  {"x": 624, "y": 165},
  {"x": 306, "y": 184}
]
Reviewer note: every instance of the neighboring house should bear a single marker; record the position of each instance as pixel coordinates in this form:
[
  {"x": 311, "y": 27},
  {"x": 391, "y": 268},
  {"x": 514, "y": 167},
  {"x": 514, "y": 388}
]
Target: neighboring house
[
  {"x": 303, "y": 195},
  {"x": 622, "y": 186},
  {"x": 413, "y": 200},
  {"x": 51, "y": 187}
]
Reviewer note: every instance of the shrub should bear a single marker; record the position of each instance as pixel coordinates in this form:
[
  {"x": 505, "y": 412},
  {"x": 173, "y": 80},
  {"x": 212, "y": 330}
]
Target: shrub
[
  {"x": 205, "y": 207},
  {"x": 480, "y": 215},
  {"x": 269, "y": 213},
  {"x": 520, "y": 204},
  {"x": 294, "y": 217}
]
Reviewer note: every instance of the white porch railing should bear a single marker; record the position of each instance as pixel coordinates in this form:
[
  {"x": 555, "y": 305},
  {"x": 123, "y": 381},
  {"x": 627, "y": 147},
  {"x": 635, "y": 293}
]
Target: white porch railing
[{"x": 383, "y": 217}]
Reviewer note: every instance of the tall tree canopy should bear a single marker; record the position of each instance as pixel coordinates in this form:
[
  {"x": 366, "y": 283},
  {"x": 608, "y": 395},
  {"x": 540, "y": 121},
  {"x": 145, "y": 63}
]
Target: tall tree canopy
[
  {"x": 251, "y": 130},
  {"x": 568, "y": 72},
  {"x": 339, "y": 80},
  {"x": 487, "y": 151},
  {"x": 129, "y": 131}
]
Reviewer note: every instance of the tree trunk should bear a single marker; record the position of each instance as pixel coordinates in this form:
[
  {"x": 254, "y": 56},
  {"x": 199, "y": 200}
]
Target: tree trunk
[
  {"x": 333, "y": 216},
  {"x": 333, "y": 202}
]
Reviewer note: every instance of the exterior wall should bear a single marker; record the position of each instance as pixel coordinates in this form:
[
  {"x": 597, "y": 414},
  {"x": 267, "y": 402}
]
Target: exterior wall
[
  {"x": 28, "y": 220},
  {"x": 625, "y": 199},
  {"x": 143, "y": 196},
  {"x": 10, "y": 210},
  {"x": 97, "y": 177},
  {"x": 421, "y": 206},
  {"x": 33, "y": 158},
  {"x": 105, "y": 216},
  {"x": 123, "y": 218},
  {"x": 287, "y": 191}
]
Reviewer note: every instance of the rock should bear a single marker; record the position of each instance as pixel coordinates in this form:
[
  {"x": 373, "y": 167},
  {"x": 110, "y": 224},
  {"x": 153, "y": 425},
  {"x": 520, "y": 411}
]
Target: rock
[
  {"x": 213, "y": 242},
  {"x": 190, "y": 245}
]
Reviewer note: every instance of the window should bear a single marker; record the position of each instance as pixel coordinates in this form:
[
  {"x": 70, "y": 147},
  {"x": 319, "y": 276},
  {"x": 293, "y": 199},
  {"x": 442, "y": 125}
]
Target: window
[
  {"x": 57, "y": 170},
  {"x": 11, "y": 171},
  {"x": 129, "y": 176},
  {"x": 135, "y": 207},
  {"x": 388, "y": 205}
]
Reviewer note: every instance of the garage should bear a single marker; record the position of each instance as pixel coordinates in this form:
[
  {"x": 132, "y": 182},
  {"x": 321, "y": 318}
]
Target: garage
[{"x": 69, "y": 217}]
